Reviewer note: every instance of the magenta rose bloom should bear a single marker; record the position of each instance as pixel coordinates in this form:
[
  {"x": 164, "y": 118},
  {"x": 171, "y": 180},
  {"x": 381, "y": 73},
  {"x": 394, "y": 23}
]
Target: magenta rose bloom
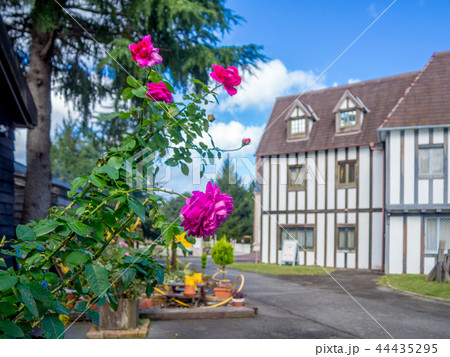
[
  {"x": 144, "y": 53},
  {"x": 205, "y": 211},
  {"x": 229, "y": 77},
  {"x": 246, "y": 141},
  {"x": 158, "y": 92}
]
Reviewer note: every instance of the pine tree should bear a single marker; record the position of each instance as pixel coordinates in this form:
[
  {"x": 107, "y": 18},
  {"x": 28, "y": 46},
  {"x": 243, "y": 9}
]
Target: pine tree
[
  {"x": 240, "y": 223},
  {"x": 61, "y": 46}
]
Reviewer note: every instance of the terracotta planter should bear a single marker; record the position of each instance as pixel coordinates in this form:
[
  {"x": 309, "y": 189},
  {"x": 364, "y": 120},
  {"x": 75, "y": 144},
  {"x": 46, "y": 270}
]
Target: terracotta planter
[
  {"x": 146, "y": 303},
  {"x": 189, "y": 290},
  {"x": 126, "y": 317},
  {"x": 238, "y": 302},
  {"x": 222, "y": 292}
]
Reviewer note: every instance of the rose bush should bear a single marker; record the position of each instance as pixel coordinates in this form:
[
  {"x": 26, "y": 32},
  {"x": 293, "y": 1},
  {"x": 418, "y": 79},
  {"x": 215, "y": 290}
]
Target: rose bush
[{"x": 67, "y": 253}]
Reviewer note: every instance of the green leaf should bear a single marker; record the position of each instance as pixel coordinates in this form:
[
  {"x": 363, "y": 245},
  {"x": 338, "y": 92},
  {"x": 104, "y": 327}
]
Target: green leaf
[
  {"x": 27, "y": 298},
  {"x": 94, "y": 315},
  {"x": 59, "y": 308},
  {"x": 77, "y": 257},
  {"x": 25, "y": 233},
  {"x": 129, "y": 145},
  {"x": 10, "y": 328},
  {"x": 160, "y": 275},
  {"x": 110, "y": 171},
  {"x": 7, "y": 280},
  {"x": 2, "y": 263},
  {"x": 140, "y": 93},
  {"x": 97, "y": 278},
  {"x": 128, "y": 276},
  {"x": 37, "y": 274},
  {"x": 7, "y": 309},
  {"x": 97, "y": 181},
  {"x": 52, "y": 327},
  {"x": 115, "y": 161},
  {"x": 76, "y": 184},
  {"x": 169, "y": 87},
  {"x": 40, "y": 293},
  {"x": 50, "y": 278},
  {"x": 133, "y": 82},
  {"x": 108, "y": 116},
  {"x": 46, "y": 226},
  {"x": 80, "y": 306},
  {"x": 184, "y": 169},
  {"x": 137, "y": 207},
  {"x": 127, "y": 93},
  {"x": 79, "y": 228}
]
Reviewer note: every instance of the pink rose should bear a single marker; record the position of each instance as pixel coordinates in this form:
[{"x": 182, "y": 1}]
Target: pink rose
[
  {"x": 205, "y": 211},
  {"x": 158, "y": 92},
  {"x": 229, "y": 77},
  {"x": 246, "y": 141},
  {"x": 144, "y": 53}
]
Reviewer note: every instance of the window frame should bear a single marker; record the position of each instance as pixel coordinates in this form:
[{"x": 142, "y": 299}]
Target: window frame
[
  {"x": 346, "y": 228},
  {"x": 430, "y": 174},
  {"x": 438, "y": 228},
  {"x": 304, "y": 117},
  {"x": 346, "y": 183},
  {"x": 348, "y": 127},
  {"x": 301, "y": 187},
  {"x": 298, "y": 226}
]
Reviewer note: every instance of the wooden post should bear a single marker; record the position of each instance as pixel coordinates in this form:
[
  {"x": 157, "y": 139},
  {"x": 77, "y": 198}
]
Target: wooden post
[{"x": 441, "y": 271}]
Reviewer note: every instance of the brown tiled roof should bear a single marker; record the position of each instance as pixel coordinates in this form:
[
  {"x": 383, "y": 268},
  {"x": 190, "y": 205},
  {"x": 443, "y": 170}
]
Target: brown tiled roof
[
  {"x": 427, "y": 100},
  {"x": 379, "y": 96}
]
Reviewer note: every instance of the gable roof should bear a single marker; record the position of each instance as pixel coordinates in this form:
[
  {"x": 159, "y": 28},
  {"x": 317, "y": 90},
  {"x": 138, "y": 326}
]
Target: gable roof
[
  {"x": 17, "y": 97},
  {"x": 426, "y": 101},
  {"x": 380, "y": 95}
]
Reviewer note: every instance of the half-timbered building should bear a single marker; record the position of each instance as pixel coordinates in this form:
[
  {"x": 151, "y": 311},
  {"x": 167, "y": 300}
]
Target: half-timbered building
[{"x": 358, "y": 174}]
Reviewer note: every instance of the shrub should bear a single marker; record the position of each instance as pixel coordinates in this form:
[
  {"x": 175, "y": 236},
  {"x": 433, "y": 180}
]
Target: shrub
[
  {"x": 204, "y": 260},
  {"x": 222, "y": 253}
]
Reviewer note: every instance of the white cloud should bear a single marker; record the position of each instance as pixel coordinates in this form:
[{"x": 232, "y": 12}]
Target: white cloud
[
  {"x": 226, "y": 136},
  {"x": 371, "y": 10},
  {"x": 353, "y": 80},
  {"x": 272, "y": 79}
]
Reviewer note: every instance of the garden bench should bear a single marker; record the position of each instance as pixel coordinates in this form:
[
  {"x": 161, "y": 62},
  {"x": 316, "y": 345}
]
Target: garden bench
[{"x": 174, "y": 293}]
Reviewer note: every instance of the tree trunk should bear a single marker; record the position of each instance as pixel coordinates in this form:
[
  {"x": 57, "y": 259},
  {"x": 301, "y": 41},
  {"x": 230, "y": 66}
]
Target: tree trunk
[{"x": 39, "y": 176}]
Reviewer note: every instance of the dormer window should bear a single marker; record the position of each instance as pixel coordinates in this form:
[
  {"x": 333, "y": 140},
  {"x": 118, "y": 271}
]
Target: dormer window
[
  {"x": 299, "y": 121},
  {"x": 349, "y": 113},
  {"x": 348, "y": 119}
]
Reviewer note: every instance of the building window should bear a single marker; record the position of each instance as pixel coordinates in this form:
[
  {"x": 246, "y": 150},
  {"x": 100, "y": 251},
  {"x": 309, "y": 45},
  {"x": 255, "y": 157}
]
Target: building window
[
  {"x": 347, "y": 173},
  {"x": 296, "y": 178},
  {"x": 304, "y": 236},
  {"x": 431, "y": 161},
  {"x": 297, "y": 124},
  {"x": 348, "y": 119},
  {"x": 346, "y": 238},
  {"x": 436, "y": 229}
]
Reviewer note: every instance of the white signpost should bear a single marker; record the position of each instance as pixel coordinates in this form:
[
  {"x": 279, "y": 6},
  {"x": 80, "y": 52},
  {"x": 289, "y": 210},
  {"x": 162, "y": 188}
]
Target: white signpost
[{"x": 289, "y": 252}]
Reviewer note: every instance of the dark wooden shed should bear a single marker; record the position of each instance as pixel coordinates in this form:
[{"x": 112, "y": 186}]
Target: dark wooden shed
[{"x": 17, "y": 110}]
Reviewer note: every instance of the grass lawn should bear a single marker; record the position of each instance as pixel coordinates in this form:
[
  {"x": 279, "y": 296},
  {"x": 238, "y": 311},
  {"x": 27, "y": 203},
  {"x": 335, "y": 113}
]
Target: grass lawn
[
  {"x": 417, "y": 284},
  {"x": 274, "y": 269}
]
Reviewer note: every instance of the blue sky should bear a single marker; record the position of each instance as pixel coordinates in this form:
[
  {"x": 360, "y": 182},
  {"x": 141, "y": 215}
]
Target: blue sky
[
  {"x": 310, "y": 35},
  {"x": 301, "y": 39}
]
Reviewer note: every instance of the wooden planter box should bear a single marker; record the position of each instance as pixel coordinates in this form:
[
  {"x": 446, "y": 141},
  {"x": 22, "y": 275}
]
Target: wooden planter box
[{"x": 126, "y": 316}]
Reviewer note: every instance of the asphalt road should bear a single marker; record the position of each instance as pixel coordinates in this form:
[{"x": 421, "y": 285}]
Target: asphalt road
[{"x": 315, "y": 307}]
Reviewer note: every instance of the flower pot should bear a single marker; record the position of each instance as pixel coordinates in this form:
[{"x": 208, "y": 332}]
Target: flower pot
[
  {"x": 126, "y": 317},
  {"x": 146, "y": 303},
  {"x": 238, "y": 302},
  {"x": 222, "y": 292},
  {"x": 189, "y": 290}
]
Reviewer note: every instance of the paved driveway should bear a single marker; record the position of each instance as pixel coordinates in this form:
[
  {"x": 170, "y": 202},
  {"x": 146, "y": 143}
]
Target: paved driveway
[{"x": 317, "y": 307}]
